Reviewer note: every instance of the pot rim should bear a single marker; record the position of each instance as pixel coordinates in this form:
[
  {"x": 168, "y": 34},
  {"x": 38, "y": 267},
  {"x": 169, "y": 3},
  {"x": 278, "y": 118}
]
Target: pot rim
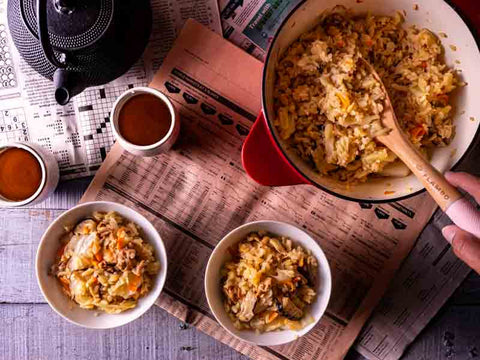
[{"x": 476, "y": 35}]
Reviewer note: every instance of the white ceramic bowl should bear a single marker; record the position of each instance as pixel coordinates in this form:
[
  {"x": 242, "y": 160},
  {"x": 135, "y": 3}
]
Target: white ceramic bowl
[
  {"x": 221, "y": 254},
  {"x": 50, "y": 174},
  {"x": 51, "y": 287},
  {"x": 165, "y": 143}
]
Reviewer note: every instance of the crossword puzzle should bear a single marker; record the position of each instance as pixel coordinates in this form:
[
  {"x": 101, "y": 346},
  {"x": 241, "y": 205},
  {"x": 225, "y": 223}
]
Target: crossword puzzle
[
  {"x": 13, "y": 126},
  {"x": 94, "y": 107},
  {"x": 8, "y": 78}
]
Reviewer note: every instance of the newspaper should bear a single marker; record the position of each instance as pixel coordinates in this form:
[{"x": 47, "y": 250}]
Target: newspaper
[
  {"x": 198, "y": 192},
  {"x": 79, "y": 134},
  {"x": 426, "y": 280},
  {"x": 251, "y": 24}
]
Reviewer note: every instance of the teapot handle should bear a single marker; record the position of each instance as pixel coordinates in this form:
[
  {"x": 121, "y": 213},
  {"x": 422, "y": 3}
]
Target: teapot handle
[
  {"x": 42, "y": 29},
  {"x": 63, "y": 79}
]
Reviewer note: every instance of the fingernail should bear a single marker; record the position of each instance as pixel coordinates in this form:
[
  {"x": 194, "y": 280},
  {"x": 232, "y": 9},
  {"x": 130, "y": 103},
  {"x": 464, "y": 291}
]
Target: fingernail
[{"x": 448, "y": 234}]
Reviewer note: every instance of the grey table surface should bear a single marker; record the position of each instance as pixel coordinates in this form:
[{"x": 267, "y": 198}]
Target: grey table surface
[{"x": 31, "y": 330}]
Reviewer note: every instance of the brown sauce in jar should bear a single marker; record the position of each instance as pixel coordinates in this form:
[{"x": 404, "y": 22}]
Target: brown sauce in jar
[
  {"x": 144, "y": 120},
  {"x": 20, "y": 174}
]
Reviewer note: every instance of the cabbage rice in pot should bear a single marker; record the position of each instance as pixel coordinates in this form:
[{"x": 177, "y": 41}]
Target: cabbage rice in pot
[{"x": 328, "y": 107}]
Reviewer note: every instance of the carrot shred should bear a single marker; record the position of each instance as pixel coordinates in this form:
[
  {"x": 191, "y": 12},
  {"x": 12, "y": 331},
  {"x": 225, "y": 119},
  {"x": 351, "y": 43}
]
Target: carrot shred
[
  {"x": 418, "y": 132},
  {"x": 134, "y": 284},
  {"x": 121, "y": 237},
  {"x": 99, "y": 256},
  {"x": 120, "y": 243},
  {"x": 272, "y": 315}
]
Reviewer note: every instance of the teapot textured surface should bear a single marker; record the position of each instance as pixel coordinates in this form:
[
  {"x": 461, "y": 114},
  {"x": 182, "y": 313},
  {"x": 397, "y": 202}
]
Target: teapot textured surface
[{"x": 91, "y": 42}]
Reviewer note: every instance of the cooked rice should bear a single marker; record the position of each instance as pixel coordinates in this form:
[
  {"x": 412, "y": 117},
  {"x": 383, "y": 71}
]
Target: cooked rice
[
  {"x": 269, "y": 283},
  {"x": 328, "y": 106},
  {"x": 105, "y": 264}
]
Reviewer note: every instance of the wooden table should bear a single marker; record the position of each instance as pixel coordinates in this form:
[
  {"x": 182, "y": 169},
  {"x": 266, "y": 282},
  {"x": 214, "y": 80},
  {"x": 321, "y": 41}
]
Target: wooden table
[{"x": 30, "y": 330}]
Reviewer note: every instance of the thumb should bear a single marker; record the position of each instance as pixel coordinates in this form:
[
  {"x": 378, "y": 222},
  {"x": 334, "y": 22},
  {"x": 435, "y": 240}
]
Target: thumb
[{"x": 465, "y": 245}]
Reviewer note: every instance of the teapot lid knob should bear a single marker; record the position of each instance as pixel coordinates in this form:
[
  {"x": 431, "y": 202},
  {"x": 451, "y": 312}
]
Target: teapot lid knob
[{"x": 65, "y": 6}]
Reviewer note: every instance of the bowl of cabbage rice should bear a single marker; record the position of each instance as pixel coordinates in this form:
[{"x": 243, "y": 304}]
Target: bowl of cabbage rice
[
  {"x": 268, "y": 282},
  {"x": 101, "y": 265}
]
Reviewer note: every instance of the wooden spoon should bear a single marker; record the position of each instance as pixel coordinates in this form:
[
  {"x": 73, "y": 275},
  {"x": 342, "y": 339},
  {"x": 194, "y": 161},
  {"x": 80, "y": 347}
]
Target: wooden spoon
[{"x": 459, "y": 209}]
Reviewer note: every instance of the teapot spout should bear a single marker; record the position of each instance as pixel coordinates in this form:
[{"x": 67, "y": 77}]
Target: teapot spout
[{"x": 66, "y": 86}]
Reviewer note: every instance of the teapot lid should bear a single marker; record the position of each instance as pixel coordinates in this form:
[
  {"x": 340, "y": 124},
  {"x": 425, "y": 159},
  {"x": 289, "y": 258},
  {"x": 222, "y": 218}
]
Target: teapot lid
[{"x": 72, "y": 24}]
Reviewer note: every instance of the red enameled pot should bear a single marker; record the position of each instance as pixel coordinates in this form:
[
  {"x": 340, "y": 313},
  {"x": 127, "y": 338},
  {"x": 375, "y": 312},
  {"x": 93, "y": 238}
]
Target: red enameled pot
[{"x": 265, "y": 155}]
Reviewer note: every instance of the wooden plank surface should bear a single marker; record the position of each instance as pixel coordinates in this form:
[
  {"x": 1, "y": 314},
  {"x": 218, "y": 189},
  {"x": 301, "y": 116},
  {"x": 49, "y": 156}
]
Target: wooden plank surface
[
  {"x": 35, "y": 332},
  {"x": 67, "y": 194},
  {"x": 453, "y": 334}
]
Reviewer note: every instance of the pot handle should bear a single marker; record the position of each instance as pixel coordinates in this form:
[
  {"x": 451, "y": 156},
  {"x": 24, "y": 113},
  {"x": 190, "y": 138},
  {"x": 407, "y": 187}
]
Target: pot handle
[{"x": 263, "y": 160}]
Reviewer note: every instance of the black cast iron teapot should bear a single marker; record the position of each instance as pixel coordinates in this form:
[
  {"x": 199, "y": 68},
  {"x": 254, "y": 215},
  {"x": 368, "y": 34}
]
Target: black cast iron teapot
[{"x": 80, "y": 43}]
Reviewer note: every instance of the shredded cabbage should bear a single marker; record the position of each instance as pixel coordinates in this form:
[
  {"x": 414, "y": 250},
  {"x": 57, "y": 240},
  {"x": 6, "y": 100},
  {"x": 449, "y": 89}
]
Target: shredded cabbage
[{"x": 105, "y": 264}]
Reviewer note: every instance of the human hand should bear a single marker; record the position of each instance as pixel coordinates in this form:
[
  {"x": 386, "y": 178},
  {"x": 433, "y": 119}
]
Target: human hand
[{"x": 465, "y": 245}]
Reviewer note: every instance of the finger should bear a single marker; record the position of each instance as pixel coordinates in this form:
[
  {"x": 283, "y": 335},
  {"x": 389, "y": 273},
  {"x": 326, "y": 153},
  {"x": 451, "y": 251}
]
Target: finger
[
  {"x": 467, "y": 182},
  {"x": 465, "y": 245}
]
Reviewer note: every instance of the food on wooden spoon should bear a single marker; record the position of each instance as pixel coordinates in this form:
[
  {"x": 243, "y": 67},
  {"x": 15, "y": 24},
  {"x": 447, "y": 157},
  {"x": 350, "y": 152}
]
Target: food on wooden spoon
[
  {"x": 105, "y": 264},
  {"x": 269, "y": 283}
]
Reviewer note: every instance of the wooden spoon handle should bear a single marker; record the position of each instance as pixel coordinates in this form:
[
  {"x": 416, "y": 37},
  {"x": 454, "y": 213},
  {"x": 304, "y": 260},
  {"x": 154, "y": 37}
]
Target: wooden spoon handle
[
  {"x": 439, "y": 188},
  {"x": 460, "y": 211}
]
